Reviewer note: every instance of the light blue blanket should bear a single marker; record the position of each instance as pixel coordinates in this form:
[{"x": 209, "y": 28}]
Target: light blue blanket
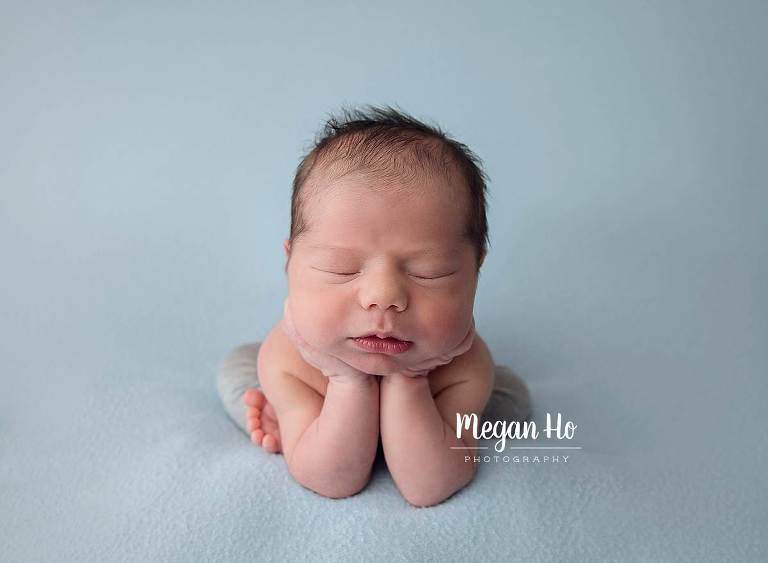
[{"x": 128, "y": 461}]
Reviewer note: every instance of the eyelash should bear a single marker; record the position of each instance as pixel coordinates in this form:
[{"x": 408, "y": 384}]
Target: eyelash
[
  {"x": 413, "y": 275},
  {"x": 432, "y": 278}
]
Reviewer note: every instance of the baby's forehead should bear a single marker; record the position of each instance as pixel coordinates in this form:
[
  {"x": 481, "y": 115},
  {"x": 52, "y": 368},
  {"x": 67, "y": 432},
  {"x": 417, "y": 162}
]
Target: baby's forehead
[
  {"x": 415, "y": 184},
  {"x": 416, "y": 232},
  {"x": 361, "y": 200},
  {"x": 335, "y": 191}
]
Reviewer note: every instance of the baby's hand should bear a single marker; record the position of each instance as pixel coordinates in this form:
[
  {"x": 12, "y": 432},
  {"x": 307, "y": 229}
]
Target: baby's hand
[
  {"x": 331, "y": 366},
  {"x": 427, "y": 366}
]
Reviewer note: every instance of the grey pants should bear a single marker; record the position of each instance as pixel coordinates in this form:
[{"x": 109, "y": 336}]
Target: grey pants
[{"x": 237, "y": 373}]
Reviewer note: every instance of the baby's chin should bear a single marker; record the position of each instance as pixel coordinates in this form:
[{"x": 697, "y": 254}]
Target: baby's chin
[{"x": 374, "y": 364}]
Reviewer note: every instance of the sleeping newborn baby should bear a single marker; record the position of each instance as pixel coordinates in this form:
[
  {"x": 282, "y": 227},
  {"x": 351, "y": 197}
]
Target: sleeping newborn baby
[{"x": 377, "y": 343}]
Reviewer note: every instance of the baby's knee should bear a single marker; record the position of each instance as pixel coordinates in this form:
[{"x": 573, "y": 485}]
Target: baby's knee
[
  {"x": 238, "y": 371},
  {"x": 245, "y": 356}
]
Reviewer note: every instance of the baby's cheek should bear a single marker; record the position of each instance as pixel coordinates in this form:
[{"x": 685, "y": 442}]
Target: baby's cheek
[
  {"x": 317, "y": 321},
  {"x": 446, "y": 328},
  {"x": 323, "y": 330}
]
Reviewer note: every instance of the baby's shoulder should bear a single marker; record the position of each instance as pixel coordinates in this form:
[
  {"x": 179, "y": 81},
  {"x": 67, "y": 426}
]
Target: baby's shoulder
[{"x": 475, "y": 362}]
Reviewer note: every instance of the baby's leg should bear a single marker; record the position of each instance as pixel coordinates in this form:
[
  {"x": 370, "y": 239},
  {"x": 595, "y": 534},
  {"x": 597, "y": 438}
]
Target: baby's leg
[
  {"x": 510, "y": 399},
  {"x": 237, "y": 374}
]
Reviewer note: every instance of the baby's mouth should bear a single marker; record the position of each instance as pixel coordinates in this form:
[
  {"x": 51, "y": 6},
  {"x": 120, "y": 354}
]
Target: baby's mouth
[{"x": 388, "y": 345}]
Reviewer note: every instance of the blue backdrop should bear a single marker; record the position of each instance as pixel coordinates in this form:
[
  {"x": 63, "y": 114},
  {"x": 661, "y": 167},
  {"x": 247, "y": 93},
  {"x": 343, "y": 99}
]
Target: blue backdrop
[{"x": 146, "y": 156}]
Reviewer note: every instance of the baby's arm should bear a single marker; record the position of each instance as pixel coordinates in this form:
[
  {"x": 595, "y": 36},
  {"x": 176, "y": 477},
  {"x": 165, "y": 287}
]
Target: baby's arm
[
  {"x": 329, "y": 443},
  {"x": 418, "y": 430}
]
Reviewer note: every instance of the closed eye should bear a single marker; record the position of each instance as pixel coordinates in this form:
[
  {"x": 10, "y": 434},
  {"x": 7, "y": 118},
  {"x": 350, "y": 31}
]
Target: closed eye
[
  {"x": 433, "y": 277},
  {"x": 438, "y": 276},
  {"x": 336, "y": 273}
]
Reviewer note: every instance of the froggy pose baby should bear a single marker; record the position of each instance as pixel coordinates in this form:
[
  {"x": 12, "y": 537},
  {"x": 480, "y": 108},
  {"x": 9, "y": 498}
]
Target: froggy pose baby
[{"x": 377, "y": 344}]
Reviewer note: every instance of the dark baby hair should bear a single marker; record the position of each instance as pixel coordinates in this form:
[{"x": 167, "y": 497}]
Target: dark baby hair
[{"x": 387, "y": 143}]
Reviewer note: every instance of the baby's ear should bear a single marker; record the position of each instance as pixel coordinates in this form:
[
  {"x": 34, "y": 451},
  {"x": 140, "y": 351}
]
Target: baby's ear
[
  {"x": 482, "y": 259},
  {"x": 287, "y": 248}
]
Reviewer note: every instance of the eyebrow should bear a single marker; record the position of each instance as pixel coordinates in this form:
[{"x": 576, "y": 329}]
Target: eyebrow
[{"x": 421, "y": 252}]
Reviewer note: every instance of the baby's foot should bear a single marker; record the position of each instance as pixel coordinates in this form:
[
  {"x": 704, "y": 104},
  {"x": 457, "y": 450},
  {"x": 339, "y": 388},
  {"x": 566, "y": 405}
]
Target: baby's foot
[{"x": 262, "y": 421}]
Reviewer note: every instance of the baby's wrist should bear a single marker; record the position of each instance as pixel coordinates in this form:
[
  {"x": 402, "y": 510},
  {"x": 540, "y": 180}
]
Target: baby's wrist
[
  {"x": 362, "y": 380},
  {"x": 406, "y": 381}
]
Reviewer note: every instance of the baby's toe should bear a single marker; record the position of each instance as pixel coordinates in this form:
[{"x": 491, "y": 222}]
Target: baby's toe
[
  {"x": 269, "y": 443},
  {"x": 257, "y": 436},
  {"x": 254, "y": 424},
  {"x": 250, "y": 397},
  {"x": 254, "y": 398}
]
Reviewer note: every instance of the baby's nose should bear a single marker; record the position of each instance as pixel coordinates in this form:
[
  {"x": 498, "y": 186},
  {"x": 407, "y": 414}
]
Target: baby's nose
[{"x": 387, "y": 297}]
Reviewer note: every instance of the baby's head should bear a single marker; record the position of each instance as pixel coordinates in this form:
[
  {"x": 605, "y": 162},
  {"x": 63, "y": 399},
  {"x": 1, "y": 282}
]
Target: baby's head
[{"x": 388, "y": 234}]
